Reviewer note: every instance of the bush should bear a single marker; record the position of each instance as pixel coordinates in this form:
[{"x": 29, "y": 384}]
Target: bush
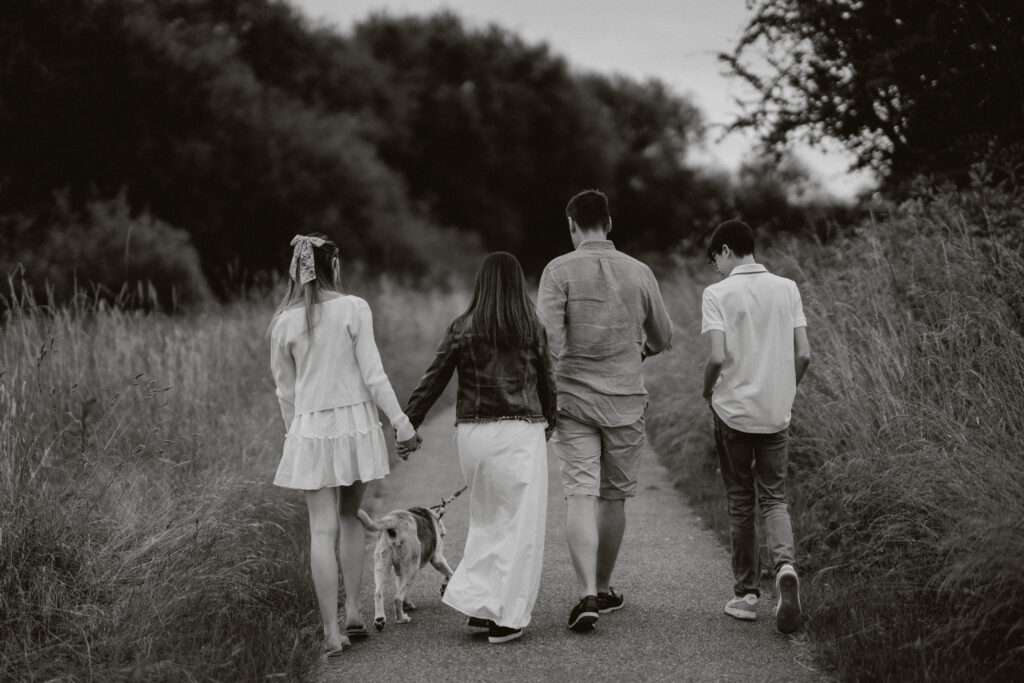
[{"x": 136, "y": 261}]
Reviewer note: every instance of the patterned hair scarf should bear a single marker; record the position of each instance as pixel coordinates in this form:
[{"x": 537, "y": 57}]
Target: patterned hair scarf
[{"x": 303, "y": 269}]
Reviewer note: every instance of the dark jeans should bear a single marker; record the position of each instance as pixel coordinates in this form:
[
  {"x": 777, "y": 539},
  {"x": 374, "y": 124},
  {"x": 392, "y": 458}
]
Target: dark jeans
[{"x": 754, "y": 465}]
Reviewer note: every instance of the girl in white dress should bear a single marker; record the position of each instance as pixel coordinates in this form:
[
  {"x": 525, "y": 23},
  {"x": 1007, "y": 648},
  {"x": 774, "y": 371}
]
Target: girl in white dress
[
  {"x": 330, "y": 382},
  {"x": 505, "y": 411}
]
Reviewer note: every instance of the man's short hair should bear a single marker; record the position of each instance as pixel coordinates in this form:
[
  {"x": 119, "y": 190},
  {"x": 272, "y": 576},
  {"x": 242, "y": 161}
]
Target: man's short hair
[
  {"x": 589, "y": 210},
  {"x": 736, "y": 234}
]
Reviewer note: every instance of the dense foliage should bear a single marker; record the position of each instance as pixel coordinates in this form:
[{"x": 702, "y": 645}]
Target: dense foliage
[
  {"x": 912, "y": 86},
  {"x": 241, "y": 123}
]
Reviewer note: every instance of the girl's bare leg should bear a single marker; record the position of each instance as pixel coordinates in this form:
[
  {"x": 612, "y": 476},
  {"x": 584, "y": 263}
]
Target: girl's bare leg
[
  {"x": 323, "y": 536},
  {"x": 352, "y": 550}
]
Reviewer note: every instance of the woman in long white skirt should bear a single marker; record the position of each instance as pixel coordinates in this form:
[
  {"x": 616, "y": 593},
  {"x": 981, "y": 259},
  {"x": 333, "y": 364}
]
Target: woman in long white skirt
[
  {"x": 504, "y": 413},
  {"x": 505, "y": 465}
]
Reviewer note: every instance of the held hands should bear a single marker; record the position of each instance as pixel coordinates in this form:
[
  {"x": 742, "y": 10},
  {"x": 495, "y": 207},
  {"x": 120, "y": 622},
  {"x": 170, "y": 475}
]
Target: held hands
[{"x": 408, "y": 446}]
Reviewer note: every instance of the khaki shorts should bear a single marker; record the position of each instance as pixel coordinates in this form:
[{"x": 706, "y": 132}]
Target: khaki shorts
[{"x": 598, "y": 461}]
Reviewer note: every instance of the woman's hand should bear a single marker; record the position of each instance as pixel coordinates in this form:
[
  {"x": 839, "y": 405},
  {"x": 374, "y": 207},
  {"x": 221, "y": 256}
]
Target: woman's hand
[{"x": 408, "y": 446}]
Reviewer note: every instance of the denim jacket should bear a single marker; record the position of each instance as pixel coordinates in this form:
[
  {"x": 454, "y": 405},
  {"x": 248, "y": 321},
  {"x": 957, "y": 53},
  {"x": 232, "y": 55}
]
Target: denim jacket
[{"x": 494, "y": 384}]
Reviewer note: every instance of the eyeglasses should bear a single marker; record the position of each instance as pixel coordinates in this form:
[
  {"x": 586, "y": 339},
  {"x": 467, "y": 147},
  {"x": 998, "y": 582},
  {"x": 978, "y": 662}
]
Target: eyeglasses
[{"x": 712, "y": 260}]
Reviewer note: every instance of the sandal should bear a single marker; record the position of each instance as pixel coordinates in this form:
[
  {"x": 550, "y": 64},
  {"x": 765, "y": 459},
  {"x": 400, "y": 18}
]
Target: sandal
[{"x": 356, "y": 632}]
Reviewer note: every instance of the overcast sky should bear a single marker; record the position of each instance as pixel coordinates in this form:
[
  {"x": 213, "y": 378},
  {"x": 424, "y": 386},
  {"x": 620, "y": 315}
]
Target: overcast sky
[{"x": 673, "y": 40}]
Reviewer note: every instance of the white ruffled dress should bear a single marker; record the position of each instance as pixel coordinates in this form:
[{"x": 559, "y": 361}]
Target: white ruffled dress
[
  {"x": 334, "y": 447},
  {"x": 338, "y": 366}
]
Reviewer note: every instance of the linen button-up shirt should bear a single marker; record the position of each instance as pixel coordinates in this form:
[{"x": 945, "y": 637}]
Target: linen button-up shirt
[{"x": 604, "y": 314}]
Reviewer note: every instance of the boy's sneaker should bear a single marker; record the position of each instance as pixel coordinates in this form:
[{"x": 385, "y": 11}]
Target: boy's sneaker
[
  {"x": 787, "y": 610},
  {"x": 502, "y": 634},
  {"x": 744, "y": 608},
  {"x": 584, "y": 615},
  {"x": 609, "y": 602}
]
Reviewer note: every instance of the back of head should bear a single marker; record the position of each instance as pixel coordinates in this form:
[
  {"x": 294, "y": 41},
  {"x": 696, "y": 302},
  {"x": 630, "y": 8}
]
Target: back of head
[
  {"x": 500, "y": 311},
  {"x": 315, "y": 268},
  {"x": 589, "y": 210},
  {"x": 734, "y": 233}
]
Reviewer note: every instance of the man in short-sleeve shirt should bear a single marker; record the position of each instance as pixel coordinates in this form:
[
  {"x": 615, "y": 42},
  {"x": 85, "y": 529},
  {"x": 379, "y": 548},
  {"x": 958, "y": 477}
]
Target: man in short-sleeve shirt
[{"x": 758, "y": 352}]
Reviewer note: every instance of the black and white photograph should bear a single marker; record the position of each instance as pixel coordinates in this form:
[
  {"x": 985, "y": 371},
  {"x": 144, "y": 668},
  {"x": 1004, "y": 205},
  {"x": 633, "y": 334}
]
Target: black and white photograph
[{"x": 540, "y": 341}]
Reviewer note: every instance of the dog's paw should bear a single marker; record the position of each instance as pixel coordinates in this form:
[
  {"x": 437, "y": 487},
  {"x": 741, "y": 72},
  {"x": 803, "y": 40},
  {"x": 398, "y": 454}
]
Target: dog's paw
[
  {"x": 404, "y": 619},
  {"x": 379, "y": 623},
  {"x": 408, "y": 604}
]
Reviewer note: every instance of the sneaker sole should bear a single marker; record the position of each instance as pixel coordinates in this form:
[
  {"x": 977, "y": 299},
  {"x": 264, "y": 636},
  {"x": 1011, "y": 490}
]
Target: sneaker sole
[
  {"x": 787, "y": 613},
  {"x": 606, "y": 610},
  {"x": 505, "y": 639},
  {"x": 741, "y": 614},
  {"x": 584, "y": 622}
]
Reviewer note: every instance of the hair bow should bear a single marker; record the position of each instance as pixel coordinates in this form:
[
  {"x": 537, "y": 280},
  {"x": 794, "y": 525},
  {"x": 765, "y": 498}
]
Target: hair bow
[{"x": 303, "y": 269}]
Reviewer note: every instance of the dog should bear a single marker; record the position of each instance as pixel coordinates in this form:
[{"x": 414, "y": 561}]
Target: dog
[{"x": 406, "y": 540}]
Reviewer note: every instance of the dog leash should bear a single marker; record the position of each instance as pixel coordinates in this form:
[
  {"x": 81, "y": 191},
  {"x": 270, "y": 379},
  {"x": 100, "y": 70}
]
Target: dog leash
[{"x": 439, "y": 508}]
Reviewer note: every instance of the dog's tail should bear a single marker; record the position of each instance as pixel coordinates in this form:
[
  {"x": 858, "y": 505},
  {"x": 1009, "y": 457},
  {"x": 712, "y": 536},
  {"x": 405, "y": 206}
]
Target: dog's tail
[{"x": 387, "y": 523}]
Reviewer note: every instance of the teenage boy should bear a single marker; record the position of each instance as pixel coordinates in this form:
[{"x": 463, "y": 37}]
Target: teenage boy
[
  {"x": 757, "y": 353},
  {"x": 604, "y": 314}
]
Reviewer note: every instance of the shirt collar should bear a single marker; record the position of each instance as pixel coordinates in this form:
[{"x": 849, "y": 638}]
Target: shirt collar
[
  {"x": 748, "y": 268},
  {"x": 596, "y": 244}
]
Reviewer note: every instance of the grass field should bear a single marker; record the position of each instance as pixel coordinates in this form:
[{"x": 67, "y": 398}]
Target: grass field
[
  {"x": 140, "y": 537},
  {"x": 907, "y": 483}
]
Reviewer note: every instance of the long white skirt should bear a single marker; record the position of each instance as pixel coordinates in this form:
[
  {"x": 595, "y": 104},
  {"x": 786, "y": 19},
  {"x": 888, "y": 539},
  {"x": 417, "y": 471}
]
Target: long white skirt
[{"x": 505, "y": 465}]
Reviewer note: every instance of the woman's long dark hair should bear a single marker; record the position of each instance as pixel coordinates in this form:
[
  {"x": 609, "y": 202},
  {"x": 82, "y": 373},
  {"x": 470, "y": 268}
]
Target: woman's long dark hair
[
  {"x": 327, "y": 264},
  {"x": 501, "y": 312}
]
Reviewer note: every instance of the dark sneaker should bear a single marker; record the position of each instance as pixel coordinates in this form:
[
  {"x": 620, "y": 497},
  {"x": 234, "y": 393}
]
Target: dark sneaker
[
  {"x": 502, "y": 634},
  {"x": 609, "y": 602},
  {"x": 584, "y": 615},
  {"x": 477, "y": 622},
  {"x": 787, "y": 611}
]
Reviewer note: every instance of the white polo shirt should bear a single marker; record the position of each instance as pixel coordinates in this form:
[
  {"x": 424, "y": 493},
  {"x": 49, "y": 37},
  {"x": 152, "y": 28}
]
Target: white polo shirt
[{"x": 758, "y": 312}]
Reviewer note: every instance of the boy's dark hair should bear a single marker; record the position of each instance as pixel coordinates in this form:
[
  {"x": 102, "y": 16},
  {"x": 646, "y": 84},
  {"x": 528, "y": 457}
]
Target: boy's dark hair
[
  {"x": 589, "y": 209},
  {"x": 736, "y": 234}
]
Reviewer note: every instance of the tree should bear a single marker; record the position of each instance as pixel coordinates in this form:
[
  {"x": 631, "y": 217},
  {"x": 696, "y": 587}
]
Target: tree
[
  {"x": 658, "y": 197},
  {"x": 910, "y": 86}
]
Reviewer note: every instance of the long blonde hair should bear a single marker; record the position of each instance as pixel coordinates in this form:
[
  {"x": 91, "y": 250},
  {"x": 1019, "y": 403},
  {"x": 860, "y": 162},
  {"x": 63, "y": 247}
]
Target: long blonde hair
[{"x": 328, "y": 278}]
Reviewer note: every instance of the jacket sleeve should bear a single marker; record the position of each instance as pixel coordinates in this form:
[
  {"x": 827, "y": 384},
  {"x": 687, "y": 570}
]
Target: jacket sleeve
[
  {"x": 372, "y": 370},
  {"x": 546, "y": 380},
  {"x": 282, "y": 366},
  {"x": 435, "y": 379}
]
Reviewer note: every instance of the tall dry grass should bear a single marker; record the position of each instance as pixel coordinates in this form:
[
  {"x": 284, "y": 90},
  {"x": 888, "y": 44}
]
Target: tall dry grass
[
  {"x": 907, "y": 482},
  {"x": 140, "y": 536}
]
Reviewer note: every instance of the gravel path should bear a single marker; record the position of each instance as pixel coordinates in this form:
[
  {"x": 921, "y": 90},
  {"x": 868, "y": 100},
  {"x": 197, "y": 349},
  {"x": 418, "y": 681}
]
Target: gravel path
[{"x": 673, "y": 572}]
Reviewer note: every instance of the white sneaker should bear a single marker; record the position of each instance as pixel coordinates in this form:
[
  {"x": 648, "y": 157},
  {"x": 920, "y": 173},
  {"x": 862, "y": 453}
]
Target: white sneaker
[
  {"x": 787, "y": 610},
  {"x": 744, "y": 608}
]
